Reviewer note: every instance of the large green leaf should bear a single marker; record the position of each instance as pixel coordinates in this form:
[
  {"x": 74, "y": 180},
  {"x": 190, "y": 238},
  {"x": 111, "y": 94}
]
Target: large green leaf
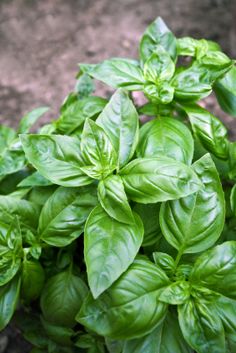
[
  {"x": 30, "y": 119},
  {"x": 216, "y": 269},
  {"x": 117, "y": 72},
  {"x": 194, "y": 223},
  {"x": 57, "y": 158},
  {"x": 210, "y": 131},
  {"x": 109, "y": 248},
  {"x": 113, "y": 199},
  {"x": 7, "y": 136},
  {"x": 74, "y": 114},
  {"x": 62, "y": 297},
  {"x": 120, "y": 121},
  {"x": 130, "y": 308},
  {"x": 225, "y": 90},
  {"x": 201, "y": 326},
  {"x": 166, "y": 338},
  {"x": 150, "y": 180},
  {"x": 64, "y": 214},
  {"x": 97, "y": 150},
  {"x": 157, "y": 34},
  {"x": 9, "y": 295},
  {"x": 166, "y": 137}
]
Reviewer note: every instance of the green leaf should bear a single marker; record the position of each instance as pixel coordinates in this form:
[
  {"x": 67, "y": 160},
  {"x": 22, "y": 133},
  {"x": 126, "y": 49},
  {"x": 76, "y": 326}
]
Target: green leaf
[
  {"x": 25, "y": 211},
  {"x": 9, "y": 295},
  {"x": 209, "y": 130},
  {"x": 194, "y": 223},
  {"x": 130, "y": 307},
  {"x": 7, "y": 136},
  {"x": 97, "y": 150},
  {"x": 57, "y": 158},
  {"x": 117, "y": 72},
  {"x": 165, "y": 262},
  {"x": 201, "y": 326},
  {"x": 151, "y": 180},
  {"x": 11, "y": 161},
  {"x": 62, "y": 297},
  {"x": 233, "y": 199},
  {"x": 64, "y": 214},
  {"x": 120, "y": 121},
  {"x": 75, "y": 114},
  {"x": 166, "y": 137},
  {"x": 30, "y": 119},
  {"x": 84, "y": 86},
  {"x": 166, "y": 338},
  {"x": 163, "y": 93},
  {"x": 33, "y": 278},
  {"x": 216, "y": 269},
  {"x": 157, "y": 34},
  {"x": 10, "y": 251},
  {"x": 188, "y": 46},
  {"x": 58, "y": 334},
  {"x": 159, "y": 66},
  {"x": 112, "y": 196},
  {"x": 226, "y": 310},
  {"x": 175, "y": 293},
  {"x": 225, "y": 90},
  {"x": 109, "y": 248},
  {"x": 149, "y": 215},
  {"x": 35, "y": 179}
]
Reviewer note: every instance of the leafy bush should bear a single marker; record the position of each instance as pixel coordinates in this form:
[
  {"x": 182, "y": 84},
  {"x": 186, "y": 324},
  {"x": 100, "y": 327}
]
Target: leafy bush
[{"x": 117, "y": 235}]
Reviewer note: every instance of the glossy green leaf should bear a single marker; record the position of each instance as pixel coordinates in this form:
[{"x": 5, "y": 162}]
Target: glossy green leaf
[
  {"x": 57, "y": 158},
  {"x": 7, "y": 136},
  {"x": 97, "y": 150},
  {"x": 120, "y": 121},
  {"x": 35, "y": 179},
  {"x": 75, "y": 114},
  {"x": 112, "y": 196},
  {"x": 157, "y": 34},
  {"x": 226, "y": 310},
  {"x": 129, "y": 308},
  {"x": 201, "y": 327},
  {"x": 9, "y": 295},
  {"x": 166, "y": 338},
  {"x": 32, "y": 280},
  {"x": 60, "y": 335},
  {"x": 175, "y": 293},
  {"x": 165, "y": 262},
  {"x": 149, "y": 215},
  {"x": 11, "y": 161},
  {"x": 216, "y": 269},
  {"x": 64, "y": 214},
  {"x": 84, "y": 86},
  {"x": 225, "y": 90},
  {"x": 150, "y": 180},
  {"x": 166, "y": 137},
  {"x": 109, "y": 248},
  {"x": 209, "y": 130},
  {"x": 30, "y": 119},
  {"x": 25, "y": 211},
  {"x": 62, "y": 297},
  {"x": 163, "y": 93},
  {"x": 194, "y": 223},
  {"x": 159, "y": 66},
  {"x": 117, "y": 72},
  {"x": 195, "y": 47},
  {"x": 233, "y": 199}
]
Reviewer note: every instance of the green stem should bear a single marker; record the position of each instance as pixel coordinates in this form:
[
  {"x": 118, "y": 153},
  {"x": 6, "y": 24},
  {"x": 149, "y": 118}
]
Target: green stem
[{"x": 178, "y": 257}]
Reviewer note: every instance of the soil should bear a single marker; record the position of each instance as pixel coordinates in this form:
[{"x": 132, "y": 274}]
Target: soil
[{"x": 42, "y": 41}]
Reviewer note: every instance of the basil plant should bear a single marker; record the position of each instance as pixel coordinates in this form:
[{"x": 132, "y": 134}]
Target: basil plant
[{"x": 118, "y": 232}]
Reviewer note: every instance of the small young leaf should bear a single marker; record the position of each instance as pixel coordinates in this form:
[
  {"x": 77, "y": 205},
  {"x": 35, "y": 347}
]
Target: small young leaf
[
  {"x": 30, "y": 119},
  {"x": 33, "y": 278},
  {"x": 156, "y": 34},
  {"x": 120, "y": 121},
  {"x": 113, "y": 199},
  {"x": 225, "y": 90},
  {"x": 109, "y": 248}
]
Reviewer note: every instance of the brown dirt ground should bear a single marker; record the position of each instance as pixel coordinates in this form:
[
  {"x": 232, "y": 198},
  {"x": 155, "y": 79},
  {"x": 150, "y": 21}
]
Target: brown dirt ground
[{"x": 41, "y": 43}]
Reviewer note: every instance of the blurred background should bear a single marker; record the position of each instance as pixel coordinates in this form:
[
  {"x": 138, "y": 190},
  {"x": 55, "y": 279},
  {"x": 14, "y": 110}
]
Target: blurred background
[{"x": 42, "y": 41}]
